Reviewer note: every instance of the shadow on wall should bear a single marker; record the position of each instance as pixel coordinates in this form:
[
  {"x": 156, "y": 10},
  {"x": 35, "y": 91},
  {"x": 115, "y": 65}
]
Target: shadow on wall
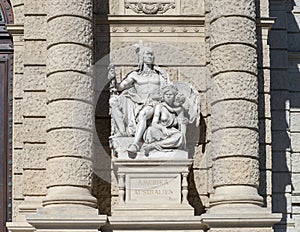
[{"x": 284, "y": 40}]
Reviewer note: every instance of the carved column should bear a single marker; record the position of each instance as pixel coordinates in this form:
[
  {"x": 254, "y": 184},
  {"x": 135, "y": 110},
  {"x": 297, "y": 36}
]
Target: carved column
[
  {"x": 70, "y": 118},
  {"x": 235, "y": 201}
]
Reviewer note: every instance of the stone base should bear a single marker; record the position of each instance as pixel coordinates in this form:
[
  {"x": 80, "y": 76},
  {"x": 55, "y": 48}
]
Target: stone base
[
  {"x": 157, "y": 223},
  {"x": 153, "y": 192},
  {"x": 240, "y": 218},
  {"x": 72, "y": 218}
]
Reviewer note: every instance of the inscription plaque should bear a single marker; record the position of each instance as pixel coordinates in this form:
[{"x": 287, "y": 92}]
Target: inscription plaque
[{"x": 150, "y": 188}]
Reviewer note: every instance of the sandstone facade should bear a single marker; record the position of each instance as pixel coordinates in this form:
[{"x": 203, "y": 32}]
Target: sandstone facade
[{"x": 241, "y": 55}]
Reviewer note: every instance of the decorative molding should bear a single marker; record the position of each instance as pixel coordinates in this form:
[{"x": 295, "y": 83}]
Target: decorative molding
[{"x": 149, "y": 7}]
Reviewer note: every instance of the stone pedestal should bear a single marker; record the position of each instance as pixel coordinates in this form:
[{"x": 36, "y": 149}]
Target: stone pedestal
[{"x": 153, "y": 193}]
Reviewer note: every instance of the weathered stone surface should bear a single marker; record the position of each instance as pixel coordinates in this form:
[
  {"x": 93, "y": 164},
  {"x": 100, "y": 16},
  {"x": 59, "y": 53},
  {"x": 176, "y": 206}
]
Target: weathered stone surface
[
  {"x": 34, "y": 7},
  {"x": 34, "y": 78},
  {"x": 18, "y": 137},
  {"x": 70, "y": 29},
  {"x": 18, "y": 13},
  {"x": 18, "y": 184},
  {"x": 34, "y": 156},
  {"x": 225, "y": 172},
  {"x": 73, "y": 7},
  {"x": 69, "y": 171},
  {"x": 18, "y": 60},
  {"x": 18, "y": 162},
  {"x": 229, "y": 7},
  {"x": 70, "y": 113},
  {"x": 34, "y": 130},
  {"x": 228, "y": 142},
  {"x": 123, "y": 53},
  {"x": 192, "y": 7},
  {"x": 114, "y": 7},
  {"x": 233, "y": 29},
  {"x": 70, "y": 85},
  {"x": 18, "y": 83},
  {"x": 35, "y": 53},
  {"x": 200, "y": 178},
  {"x": 63, "y": 57},
  {"x": 35, "y": 27},
  {"x": 234, "y": 113},
  {"x": 234, "y": 57},
  {"x": 17, "y": 110},
  {"x": 70, "y": 142},
  {"x": 34, "y": 183},
  {"x": 196, "y": 76},
  {"x": 234, "y": 85},
  {"x": 34, "y": 104},
  {"x": 295, "y": 142}
]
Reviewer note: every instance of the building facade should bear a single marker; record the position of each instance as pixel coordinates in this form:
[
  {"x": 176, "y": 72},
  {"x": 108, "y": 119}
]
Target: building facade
[{"x": 243, "y": 58}]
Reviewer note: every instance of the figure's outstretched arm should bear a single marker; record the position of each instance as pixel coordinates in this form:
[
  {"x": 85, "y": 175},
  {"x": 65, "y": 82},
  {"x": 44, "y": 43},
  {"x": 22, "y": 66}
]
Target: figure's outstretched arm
[{"x": 124, "y": 84}]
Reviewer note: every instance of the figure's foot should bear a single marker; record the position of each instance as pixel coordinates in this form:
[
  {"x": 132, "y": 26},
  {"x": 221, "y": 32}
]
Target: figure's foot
[
  {"x": 150, "y": 147},
  {"x": 132, "y": 150}
]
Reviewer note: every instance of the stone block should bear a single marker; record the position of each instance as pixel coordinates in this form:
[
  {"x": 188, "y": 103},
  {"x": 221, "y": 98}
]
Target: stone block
[
  {"x": 280, "y": 80},
  {"x": 295, "y": 100},
  {"x": 34, "y": 78},
  {"x": 80, "y": 86},
  {"x": 293, "y": 41},
  {"x": 71, "y": 113},
  {"x": 70, "y": 142},
  {"x": 265, "y": 131},
  {"x": 234, "y": 57},
  {"x": 295, "y": 122},
  {"x": 34, "y": 130},
  {"x": 280, "y": 120},
  {"x": 238, "y": 7},
  {"x": 228, "y": 171},
  {"x": 295, "y": 142},
  {"x": 295, "y": 162},
  {"x": 234, "y": 113},
  {"x": 279, "y": 59},
  {"x": 281, "y": 182},
  {"x": 294, "y": 81},
  {"x": 18, "y": 60},
  {"x": 278, "y": 39},
  {"x": 296, "y": 182},
  {"x": 191, "y": 7},
  {"x": 234, "y": 86},
  {"x": 73, "y": 7},
  {"x": 232, "y": 29},
  {"x": 35, "y": 52},
  {"x": 18, "y": 84},
  {"x": 70, "y": 29},
  {"x": 225, "y": 142},
  {"x": 196, "y": 76},
  {"x": 264, "y": 105},
  {"x": 34, "y": 156},
  {"x": 281, "y": 162},
  {"x": 123, "y": 53},
  {"x": 34, "y": 104},
  {"x": 15, "y": 207},
  {"x": 200, "y": 179},
  {"x": 69, "y": 171},
  {"x": 18, "y": 162},
  {"x": 282, "y": 203},
  {"x": 18, "y": 184},
  {"x": 18, "y": 13},
  {"x": 34, "y": 7},
  {"x": 18, "y": 110},
  {"x": 73, "y": 57},
  {"x": 18, "y": 136},
  {"x": 280, "y": 140},
  {"x": 279, "y": 100},
  {"x": 34, "y": 183},
  {"x": 35, "y": 27}
]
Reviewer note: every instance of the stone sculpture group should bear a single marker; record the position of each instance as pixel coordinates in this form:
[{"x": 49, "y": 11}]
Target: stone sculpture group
[{"x": 148, "y": 111}]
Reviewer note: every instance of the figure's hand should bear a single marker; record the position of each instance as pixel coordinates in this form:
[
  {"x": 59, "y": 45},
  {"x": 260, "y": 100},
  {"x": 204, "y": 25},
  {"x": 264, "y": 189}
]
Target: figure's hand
[
  {"x": 165, "y": 131},
  {"x": 111, "y": 72}
]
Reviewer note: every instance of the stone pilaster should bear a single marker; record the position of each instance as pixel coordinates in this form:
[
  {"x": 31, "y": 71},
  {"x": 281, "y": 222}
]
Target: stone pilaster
[
  {"x": 69, "y": 203},
  {"x": 235, "y": 118}
]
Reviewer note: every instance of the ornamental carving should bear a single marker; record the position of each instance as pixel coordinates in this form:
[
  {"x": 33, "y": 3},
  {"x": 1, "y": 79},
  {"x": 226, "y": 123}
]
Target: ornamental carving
[{"x": 149, "y": 7}]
